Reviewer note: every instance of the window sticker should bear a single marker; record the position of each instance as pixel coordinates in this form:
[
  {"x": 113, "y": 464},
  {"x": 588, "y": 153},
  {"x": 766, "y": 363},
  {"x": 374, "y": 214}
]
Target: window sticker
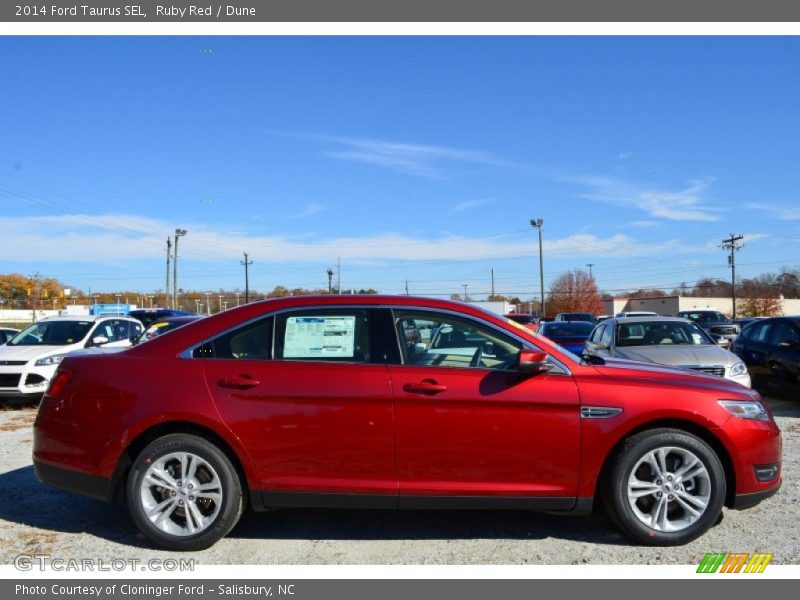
[{"x": 324, "y": 337}]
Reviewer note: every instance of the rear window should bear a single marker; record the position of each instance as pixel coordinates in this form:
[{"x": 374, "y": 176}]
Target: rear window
[
  {"x": 567, "y": 329},
  {"x": 522, "y": 319}
]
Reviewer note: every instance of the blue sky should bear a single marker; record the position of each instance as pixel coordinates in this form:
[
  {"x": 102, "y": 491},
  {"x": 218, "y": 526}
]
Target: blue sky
[{"x": 408, "y": 158}]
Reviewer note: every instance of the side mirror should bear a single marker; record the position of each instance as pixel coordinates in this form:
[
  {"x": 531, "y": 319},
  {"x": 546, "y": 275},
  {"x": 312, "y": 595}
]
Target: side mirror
[
  {"x": 420, "y": 348},
  {"x": 134, "y": 339},
  {"x": 532, "y": 362},
  {"x": 99, "y": 340},
  {"x": 722, "y": 342},
  {"x": 600, "y": 346}
]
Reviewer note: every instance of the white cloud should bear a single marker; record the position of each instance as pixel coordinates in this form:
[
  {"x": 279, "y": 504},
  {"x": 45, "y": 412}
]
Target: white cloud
[
  {"x": 780, "y": 212},
  {"x": 685, "y": 204},
  {"x": 123, "y": 238},
  {"x": 412, "y": 159},
  {"x": 468, "y": 204},
  {"x": 309, "y": 211}
]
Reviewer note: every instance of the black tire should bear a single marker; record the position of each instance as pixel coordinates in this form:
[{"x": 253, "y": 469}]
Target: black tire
[
  {"x": 615, "y": 486},
  {"x": 230, "y": 507}
]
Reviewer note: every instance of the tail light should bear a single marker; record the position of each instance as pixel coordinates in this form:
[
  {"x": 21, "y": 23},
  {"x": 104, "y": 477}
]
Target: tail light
[{"x": 58, "y": 383}]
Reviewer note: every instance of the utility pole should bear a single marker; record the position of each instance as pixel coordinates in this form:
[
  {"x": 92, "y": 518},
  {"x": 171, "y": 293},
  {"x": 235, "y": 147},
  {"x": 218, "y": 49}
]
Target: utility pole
[
  {"x": 166, "y": 289},
  {"x": 178, "y": 234},
  {"x": 537, "y": 224},
  {"x": 492, "y": 284},
  {"x": 731, "y": 244},
  {"x": 590, "y": 265},
  {"x": 406, "y": 287},
  {"x": 330, "y": 279},
  {"x": 466, "y": 297},
  {"x": 246, "y": 264},
  {"x": 339, "y": 275}
]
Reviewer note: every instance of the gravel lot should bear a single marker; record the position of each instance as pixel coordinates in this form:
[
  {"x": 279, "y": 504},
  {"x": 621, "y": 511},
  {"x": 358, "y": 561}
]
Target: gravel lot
[{"x": 36, "y": 519}]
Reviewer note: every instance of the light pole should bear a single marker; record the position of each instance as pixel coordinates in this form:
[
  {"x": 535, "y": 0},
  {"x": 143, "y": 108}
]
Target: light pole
[
  {"x": 246, "y": 263},
  {"x": 466, "y": 297},
  {"x": 219, "y": 305},
  {"x": 537, "y": 224},
  {"x": 208, "y": 303},
  {"x": 179, "y": 233},
  {"x": 237, "y": 297}
]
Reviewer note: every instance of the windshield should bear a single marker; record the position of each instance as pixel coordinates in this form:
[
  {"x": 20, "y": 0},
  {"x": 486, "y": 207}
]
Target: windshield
[
  {"x": 578, "y": 317},
  {"x": 157, "y": 329},
  {"x": 52, "y": 333},
  {"x": 657, "y": 333},
  {"x": 706, "y": 316}
]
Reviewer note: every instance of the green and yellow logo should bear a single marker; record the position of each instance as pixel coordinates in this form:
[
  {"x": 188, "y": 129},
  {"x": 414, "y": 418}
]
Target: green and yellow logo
[{"x": 734, "y": 562}]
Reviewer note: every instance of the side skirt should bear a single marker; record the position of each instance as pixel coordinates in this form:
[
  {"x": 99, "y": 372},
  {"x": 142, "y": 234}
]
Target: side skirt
[{"x": 265, "y": 500}]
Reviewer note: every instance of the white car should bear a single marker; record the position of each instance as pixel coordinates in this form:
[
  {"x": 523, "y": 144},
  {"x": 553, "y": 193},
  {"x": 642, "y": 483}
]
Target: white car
[{"x": 30, "y": 358}]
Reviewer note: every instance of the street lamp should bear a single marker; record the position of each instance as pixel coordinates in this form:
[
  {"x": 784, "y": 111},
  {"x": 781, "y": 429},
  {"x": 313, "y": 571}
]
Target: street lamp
[
  {"x": 178, "y": 234},
  {"x": 537, "y": 224}
]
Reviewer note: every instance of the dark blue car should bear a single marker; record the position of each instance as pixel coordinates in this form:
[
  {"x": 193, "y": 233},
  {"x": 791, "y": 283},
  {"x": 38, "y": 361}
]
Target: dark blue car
[
  {"x": 148, "y": 316},
  {"x": 571, "y": 335},
  {"x": 772, "y": 346}
]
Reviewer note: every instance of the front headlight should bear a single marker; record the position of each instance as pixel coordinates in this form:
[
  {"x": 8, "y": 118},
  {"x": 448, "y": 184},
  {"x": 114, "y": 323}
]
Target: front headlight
[
  {"x": 49, "y": 360},
  {"x": 745, "y": 409},
  {"x": 738, "y": 369}
]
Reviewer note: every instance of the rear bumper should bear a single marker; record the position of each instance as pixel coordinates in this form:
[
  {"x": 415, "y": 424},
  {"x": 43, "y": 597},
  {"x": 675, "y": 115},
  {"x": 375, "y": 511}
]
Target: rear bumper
[{"x": 99, "y": 488}]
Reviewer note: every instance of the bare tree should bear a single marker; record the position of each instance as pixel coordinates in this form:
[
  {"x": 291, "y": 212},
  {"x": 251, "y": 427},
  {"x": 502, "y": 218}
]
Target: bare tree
[{"x": 574, "y": 291}]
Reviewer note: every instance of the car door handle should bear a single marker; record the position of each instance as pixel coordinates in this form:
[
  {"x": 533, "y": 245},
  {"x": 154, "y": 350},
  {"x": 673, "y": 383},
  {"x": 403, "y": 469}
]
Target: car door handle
[
  {"x": 427, "y": 387},
  {"x": 239, "y": 382}
]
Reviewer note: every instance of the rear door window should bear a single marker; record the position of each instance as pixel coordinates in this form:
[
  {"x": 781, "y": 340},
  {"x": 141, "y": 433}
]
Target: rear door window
[{"x": 328, "y": 334}]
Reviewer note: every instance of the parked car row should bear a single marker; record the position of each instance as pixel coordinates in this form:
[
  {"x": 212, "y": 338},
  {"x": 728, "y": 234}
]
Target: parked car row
[
  {"x": 770, "y": 345},
  {"x": 29, "y": 358},
  {"x": 398, "y": 402}
]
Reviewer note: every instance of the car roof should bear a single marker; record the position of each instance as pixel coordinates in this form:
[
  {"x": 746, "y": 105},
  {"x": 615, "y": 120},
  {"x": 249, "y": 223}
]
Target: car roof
[
  {"x": 567, "y": 323},
  {"x": 183, "y": 336},
  {"x": 178, "y": 319},
  {"x": 84, "y": 317},
  {"x": 648, "y": 319}
]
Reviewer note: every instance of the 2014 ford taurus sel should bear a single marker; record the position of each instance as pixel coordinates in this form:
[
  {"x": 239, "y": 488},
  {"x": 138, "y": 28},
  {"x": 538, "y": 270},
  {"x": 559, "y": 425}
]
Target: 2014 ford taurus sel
[{"x": 327, "y": 401}]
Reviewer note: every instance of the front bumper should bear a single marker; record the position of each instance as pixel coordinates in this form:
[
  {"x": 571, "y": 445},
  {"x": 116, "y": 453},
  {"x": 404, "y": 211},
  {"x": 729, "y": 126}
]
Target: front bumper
[
  {"x": 30, "y": 381},
  {"x": 743, "y": 501}
]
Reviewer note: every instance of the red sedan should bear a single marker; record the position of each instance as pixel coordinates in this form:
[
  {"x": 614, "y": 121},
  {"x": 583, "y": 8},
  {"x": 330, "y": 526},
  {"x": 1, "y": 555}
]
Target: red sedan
[{"x": 327, "y": 401}]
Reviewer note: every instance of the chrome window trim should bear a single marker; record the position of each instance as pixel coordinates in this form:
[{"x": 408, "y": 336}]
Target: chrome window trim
[
  {"x": 187, "y": 353},
  {"x": 565, "y": 370},
  {"x": 525, "y": 343}
]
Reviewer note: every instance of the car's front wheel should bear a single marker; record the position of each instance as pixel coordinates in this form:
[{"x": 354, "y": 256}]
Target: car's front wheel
[
  {"x": 665, "y": 487},
  {"x": 184, "y": 493}
]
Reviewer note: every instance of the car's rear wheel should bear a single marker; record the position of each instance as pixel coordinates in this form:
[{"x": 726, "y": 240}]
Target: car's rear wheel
[
  {"x": 184, "y": 493},
  {"x": 665, "y": 487}
]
